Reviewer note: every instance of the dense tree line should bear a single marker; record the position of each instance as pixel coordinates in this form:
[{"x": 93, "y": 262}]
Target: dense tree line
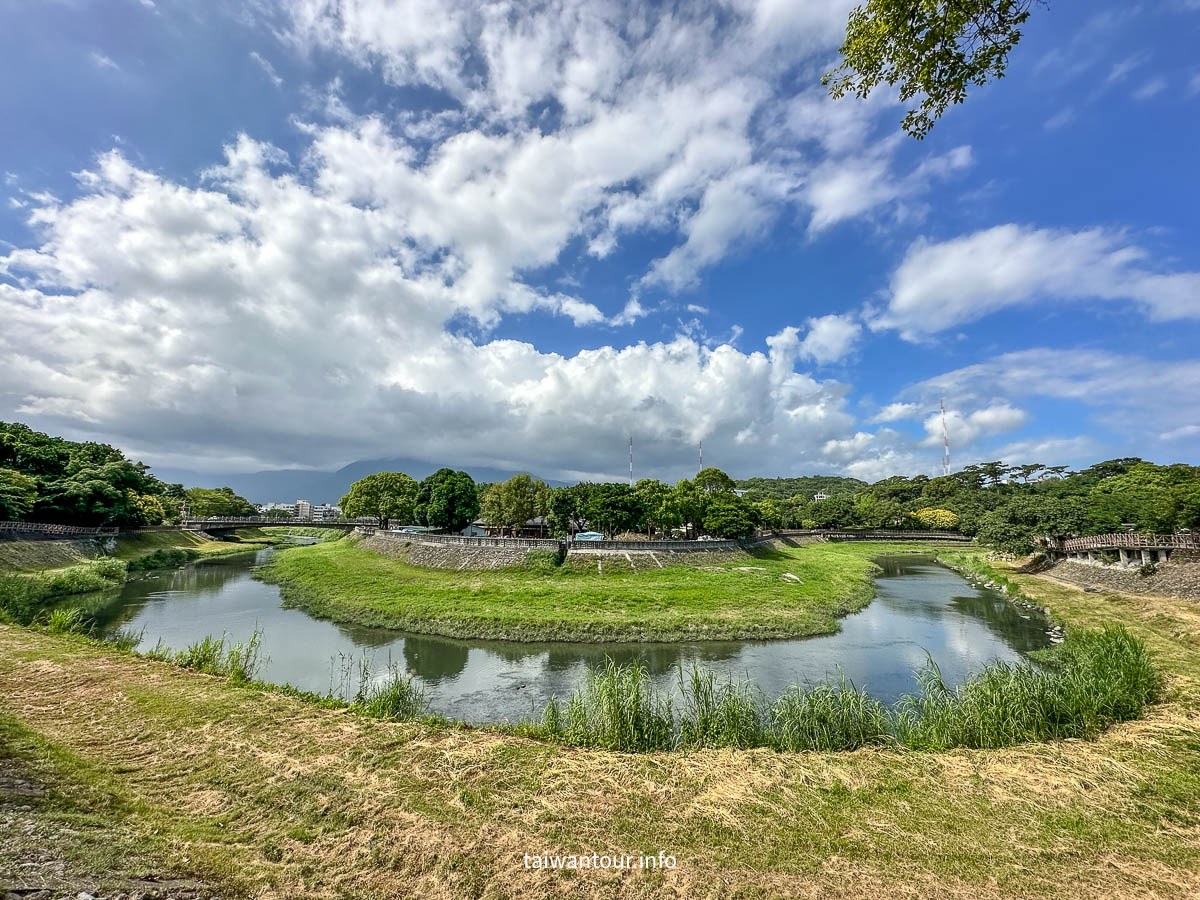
[
  {"x": 1009, "y": 507},
  {"x": 51, "y": 479}
]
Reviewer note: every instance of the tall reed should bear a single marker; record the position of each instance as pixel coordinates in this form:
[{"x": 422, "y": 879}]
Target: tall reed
[{"x": 1087, "y": 683}]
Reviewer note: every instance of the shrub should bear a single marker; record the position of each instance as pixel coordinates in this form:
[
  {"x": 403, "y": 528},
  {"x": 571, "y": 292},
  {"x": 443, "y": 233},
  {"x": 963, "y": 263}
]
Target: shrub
[
  {"x": 397, "y": 697},
  {"x": 1145, "y": 570}
]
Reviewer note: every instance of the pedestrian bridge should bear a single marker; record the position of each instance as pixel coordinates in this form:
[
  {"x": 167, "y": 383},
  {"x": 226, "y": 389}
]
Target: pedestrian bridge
[
  {"x": 1131, "y": 548},
  {"x": 224, "y": 523}
]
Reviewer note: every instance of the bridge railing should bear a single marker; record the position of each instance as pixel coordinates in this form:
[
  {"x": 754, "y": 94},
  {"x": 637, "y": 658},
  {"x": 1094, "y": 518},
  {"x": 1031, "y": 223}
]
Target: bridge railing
[
  {"x": 881, "y": 534},
  {"x": 266, "y": 520},
  {"x": 1126, "y": 541},
  {"x": 48, "y": 528}
]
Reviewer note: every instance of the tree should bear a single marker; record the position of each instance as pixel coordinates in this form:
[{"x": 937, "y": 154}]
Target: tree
[
  {"x": 729, "y": 517},
  {"x": 1027, "y": 470},
  {"x": 613, "y": 508},
  {"x": 17, "y": 494},
  {"x": 384, "y": 495},
  {"x": 658, "y": 505},
  {"x": 510, "y": 504},
  {"x": 935, "y": 519},
  {"x": 453, "y": 503},
  {"x": 205, "y": 502},
  {"x": 933, "y": 49},
  {"x": 769, "y": 514},
  {"x": 1152, "y": 498},
  {"x": 278, "y": 514},
  {"x": 713, "y": 481}
]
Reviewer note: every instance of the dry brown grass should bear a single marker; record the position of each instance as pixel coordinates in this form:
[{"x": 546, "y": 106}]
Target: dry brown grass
[{"x": 283, "y": 798}]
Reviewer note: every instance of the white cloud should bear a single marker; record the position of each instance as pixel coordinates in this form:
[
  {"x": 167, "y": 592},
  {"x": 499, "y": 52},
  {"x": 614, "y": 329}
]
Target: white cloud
[
  {"x": 1060, "y": 119},
  {"x": 942, "y": 285},
  {"x": 1083, "y": 377},
  {"x": 1151, "y": 88},
  {"x": 895, "y": 412},
  {"x": 267, "y": 68},
  {"x": 678, "y": 119},
  {"x": 830, "y": 338},
  {"x": 100, "y": 61},
  {"x": 259, "y": 320},
  {"x": 1183, "y": 431},
  {"x": 966, "y": 429}
]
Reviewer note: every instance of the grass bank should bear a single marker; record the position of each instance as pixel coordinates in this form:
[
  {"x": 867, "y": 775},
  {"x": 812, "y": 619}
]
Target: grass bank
[
  {"x": 26, "y": 588},
  {"x": 256, "y": 791},
  {"x": 774, "y": 593}
]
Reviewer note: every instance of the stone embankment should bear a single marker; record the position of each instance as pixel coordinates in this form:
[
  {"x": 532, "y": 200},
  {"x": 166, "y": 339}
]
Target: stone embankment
[
  {"x": 443, "y": 556},
  {"x": 438, "y": 552},
  {"x": 1171, "y": 579}
]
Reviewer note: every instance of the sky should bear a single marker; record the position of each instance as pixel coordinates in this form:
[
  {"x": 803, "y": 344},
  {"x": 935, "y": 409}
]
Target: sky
[{"x": 238, "y": 236}]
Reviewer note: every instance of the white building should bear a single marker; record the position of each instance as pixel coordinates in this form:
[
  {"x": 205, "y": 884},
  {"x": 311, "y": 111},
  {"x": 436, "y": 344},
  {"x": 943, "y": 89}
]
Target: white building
[
  {"x": 304, "y": 509},
  {"x": 820, "y": 495}
]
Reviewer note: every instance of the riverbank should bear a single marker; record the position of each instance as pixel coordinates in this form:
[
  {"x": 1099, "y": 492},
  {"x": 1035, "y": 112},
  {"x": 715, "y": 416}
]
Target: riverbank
[
  {"x": 772, "y": 592},
  {"x": 36, "y": 574},
  {"x": 257, "y": 791}
]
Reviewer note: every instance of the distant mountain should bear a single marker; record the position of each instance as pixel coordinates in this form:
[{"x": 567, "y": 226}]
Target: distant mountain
[{"x": 289, "y": 485}]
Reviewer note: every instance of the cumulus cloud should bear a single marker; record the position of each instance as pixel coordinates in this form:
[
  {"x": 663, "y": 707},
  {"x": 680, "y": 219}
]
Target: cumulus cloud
[
  {"x": 894, "y": 412},
  {"x": 967, "y": 428},
  {"x": 259, "y": 320},
  {"x": 942, "y": 285},
  {"x": 830, "y": 338}
]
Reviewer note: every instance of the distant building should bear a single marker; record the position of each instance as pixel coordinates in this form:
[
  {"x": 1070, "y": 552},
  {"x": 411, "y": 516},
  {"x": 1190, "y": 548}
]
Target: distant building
[
  {"x": 326, "y": 511},
  {"x": 739, "y": 492},
  {"x": 820, "y": 495},
  {"x": 478, "y": 528},
  {"x": 303, "y": 509}
]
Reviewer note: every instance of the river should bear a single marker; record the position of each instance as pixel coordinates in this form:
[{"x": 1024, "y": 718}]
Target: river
[{"x": 921, "y": 610}]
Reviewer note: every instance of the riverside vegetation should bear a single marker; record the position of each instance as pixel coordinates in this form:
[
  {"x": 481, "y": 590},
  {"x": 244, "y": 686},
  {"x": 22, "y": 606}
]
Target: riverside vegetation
[{"x": 295, "y": 797}]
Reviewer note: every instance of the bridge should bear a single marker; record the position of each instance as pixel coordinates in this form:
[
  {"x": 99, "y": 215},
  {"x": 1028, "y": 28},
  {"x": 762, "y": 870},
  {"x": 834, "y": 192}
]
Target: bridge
[
  {"x": 224, "y": 523},
  {"x": 1131, "y": 548},
  {"x": 877, "y": 534}
]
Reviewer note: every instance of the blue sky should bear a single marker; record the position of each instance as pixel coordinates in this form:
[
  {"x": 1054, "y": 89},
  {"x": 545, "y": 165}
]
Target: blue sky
[{"x": 245, "y": 236}]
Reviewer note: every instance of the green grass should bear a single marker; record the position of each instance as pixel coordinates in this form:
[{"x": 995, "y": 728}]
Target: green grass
[
  {"x": 1091, "y": 681},
  {"x": 744, "y": 598},
  {"x": 22, "y": 597}
]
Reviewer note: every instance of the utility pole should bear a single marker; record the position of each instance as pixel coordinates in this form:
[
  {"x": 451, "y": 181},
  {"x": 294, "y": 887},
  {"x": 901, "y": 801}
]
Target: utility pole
[
  {"x": 631, "y": 460},
  {"x": 701, "y": 469},
  {"x": 945, "y": 440}
]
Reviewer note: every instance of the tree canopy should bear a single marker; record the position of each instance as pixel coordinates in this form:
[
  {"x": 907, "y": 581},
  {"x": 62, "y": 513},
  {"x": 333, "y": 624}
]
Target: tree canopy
[
  {"x": 384, "y": 495},
  {"x": 51, "y": 479},
  {"x": 934, "y": 50}
]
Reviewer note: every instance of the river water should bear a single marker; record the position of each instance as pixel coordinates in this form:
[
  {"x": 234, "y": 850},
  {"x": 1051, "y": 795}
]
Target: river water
[{"x": 921, "y": 610}]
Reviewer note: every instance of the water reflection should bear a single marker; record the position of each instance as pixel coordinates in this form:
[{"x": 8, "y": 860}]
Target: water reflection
[{"x": 921, "y": 610}]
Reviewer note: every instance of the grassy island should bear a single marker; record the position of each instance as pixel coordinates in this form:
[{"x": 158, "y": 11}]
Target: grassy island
[{"x": 769, "y": 593}]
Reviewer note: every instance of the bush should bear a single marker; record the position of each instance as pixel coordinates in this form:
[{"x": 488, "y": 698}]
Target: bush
[
  {"x": 1145, "y": 570},
  {"x": 169, "y": 558}
]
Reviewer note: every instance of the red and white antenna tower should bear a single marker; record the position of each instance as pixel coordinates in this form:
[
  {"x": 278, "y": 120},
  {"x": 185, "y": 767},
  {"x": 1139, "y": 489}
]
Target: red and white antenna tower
[{"x": 945, "y": 440}]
